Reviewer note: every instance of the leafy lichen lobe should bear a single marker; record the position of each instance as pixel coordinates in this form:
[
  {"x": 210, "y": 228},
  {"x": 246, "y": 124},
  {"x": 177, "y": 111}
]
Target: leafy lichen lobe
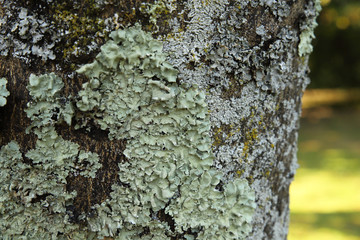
[
  {"x": 132, "y": 93},
  {"x": 33, "y": 185},
  {"x": 3, "y": 92}
]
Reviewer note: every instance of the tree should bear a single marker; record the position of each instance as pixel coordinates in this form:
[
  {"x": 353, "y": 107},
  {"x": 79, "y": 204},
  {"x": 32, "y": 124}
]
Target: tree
[{"x": 150, "y": 119}]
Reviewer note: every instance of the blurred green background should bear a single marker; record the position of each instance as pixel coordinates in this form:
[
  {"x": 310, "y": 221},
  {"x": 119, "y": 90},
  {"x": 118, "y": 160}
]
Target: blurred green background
[
  {"x": 325, "y": 196},
  {"x": 335, "y": 61}
]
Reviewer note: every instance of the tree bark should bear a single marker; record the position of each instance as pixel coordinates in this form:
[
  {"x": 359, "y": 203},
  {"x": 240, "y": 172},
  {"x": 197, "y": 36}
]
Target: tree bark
[{"x": 249, "y": 58}]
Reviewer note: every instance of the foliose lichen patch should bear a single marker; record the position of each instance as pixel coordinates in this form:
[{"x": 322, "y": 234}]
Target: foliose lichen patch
[
  {"x": 245, "y": 54},
  {"x": 29, "y": 28},
  {"x": 33, "y": 185},
  {"x": 48, "y": 30},
  {"x": 132, "y": 93},
  {"x": 3, "y": 92},
  {"x": 71, "y": 32},
  {"x": 308, "y": 27}
]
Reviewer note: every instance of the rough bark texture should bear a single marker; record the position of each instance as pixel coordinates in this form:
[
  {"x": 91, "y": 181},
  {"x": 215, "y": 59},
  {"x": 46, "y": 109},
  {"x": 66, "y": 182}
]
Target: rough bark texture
[{"x": 244, "y": 54}]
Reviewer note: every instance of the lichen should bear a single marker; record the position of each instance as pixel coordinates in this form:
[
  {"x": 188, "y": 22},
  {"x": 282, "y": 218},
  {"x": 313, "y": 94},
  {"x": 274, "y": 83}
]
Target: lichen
[
  {"x": 3, "y": 92},
  {"x": 155, "y": 11},
  {"x": 307, "y": 29},
  {"x": 53, "y": 30},
  {"x": 26, "y": 34},
  {"x": 47, "y": 109},
  {"x": 221, "y": 214},
  {"x": 253, "y": 78},
  {"x": 133, "y": 94},
  {"x": 242, "y": 52},
  {"x": 81, "y": 24},
  {"x": 71, "y": 32},
  {"x": 33, "y": 192}
]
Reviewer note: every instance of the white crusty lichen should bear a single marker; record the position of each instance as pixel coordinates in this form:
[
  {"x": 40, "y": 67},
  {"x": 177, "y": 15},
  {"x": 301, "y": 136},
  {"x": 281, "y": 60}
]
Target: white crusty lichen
[
  {"x": 26, "y": 35},
  {"x": 3, "y": 92},
  {"x": 246, "y": 82},
  {"x": 33, "y": 188},
  {"x": 133, "y": 94}
]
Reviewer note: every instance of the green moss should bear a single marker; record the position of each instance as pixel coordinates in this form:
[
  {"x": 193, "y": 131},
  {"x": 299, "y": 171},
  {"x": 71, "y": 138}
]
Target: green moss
[
  {"x": 155, "y": 11},
  {"x": 82, "y": 24},
  {"x": 158, "y": 16},
  {"x": 3, "y": 92}
]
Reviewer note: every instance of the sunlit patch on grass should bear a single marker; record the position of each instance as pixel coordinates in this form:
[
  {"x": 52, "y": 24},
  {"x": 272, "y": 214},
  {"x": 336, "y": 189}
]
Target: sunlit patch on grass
[{"x": 324, "y": 192}]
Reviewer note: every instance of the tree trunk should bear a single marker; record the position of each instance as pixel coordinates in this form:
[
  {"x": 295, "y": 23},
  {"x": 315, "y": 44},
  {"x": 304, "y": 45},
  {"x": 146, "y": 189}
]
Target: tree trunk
[{"x": 150, "y": 119}]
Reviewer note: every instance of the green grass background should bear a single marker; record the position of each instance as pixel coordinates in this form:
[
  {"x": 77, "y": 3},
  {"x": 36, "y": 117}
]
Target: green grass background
[{"x": 325, "y": 196}]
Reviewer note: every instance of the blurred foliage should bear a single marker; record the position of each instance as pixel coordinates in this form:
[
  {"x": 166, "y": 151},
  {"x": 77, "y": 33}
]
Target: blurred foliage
[
  {"x": 335, "y": 62},
  {"x": 325, "y": 226},
  {"x": 325, "y": 196}
]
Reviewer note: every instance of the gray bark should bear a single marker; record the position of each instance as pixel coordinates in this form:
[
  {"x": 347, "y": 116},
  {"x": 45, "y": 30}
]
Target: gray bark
[{"x": 250, "y": 57}]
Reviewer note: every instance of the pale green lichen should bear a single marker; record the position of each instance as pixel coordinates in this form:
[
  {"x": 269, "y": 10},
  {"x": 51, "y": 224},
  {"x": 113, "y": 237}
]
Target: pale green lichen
[
  {"x": 306, "y": 38},
  {"x": 33, "y": 198},
  {"x": 45, "y": 111},
  {"x": 307, "y": 35},
  {"x": 88, "y": 163},
  {"x": 46, "y": 104},
  {"x": 33, "y": 191},
  {"x": 221, "y": 215},
  {"x": 3, "y": 92},
  {"x": 132, "y": 93}
]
